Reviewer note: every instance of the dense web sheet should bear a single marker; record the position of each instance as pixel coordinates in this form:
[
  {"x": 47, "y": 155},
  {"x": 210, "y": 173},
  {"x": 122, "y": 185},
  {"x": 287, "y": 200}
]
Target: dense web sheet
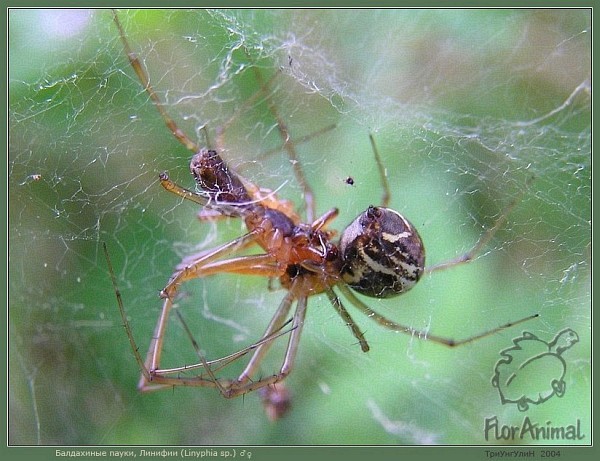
[{"x": 470, "y": 110}]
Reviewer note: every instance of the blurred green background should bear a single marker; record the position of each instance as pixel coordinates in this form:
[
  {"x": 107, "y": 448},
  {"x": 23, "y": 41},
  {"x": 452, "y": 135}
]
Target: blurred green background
[{"x": 465, "y": 106}]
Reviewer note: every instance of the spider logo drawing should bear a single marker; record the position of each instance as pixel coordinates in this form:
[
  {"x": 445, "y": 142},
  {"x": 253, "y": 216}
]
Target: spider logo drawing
[{"x": 379, "y": 255}]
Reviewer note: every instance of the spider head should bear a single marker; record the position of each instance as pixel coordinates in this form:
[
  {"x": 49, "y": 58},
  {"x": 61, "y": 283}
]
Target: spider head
[{"x": 382, "y": 253}]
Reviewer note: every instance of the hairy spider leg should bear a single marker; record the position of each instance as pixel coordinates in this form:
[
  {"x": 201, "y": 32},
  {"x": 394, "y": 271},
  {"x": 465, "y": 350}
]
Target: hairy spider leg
[
  {"x": 337, "y": 304},
  {"x": 385, "y": 185},
  {"x": 156, "y": 379},
  {"x": 291, "y": 151},
  {"x": 216, "y": 365},
  {"x": 420, "y": 334},
  {"x": 159, "y": 379},
  {"x": 145, "y": 80},
  {"x": 485, "y": 238}
]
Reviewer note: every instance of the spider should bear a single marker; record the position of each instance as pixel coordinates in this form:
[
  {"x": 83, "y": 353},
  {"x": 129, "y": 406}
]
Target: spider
[{"x": 379, "y": 255}]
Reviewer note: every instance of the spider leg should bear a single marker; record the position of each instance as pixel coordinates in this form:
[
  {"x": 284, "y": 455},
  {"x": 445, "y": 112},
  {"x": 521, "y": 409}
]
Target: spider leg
[
  {"x": 324, "y": 220},
  {"x": 386, "y": 195},
  {"x": 245, "y": 106},
  {"x": 336, "y": 302},
  {"x": 288, "y": 145},
  {"x": 420, "y": 334},
  {"x": 152, "y": 377},
  {"x": 299, "y": 140},
  {"x": 209, "y": 369},
  {"x": 142, "y": 75},
  {"x": 242, "y": 387},
  {"x": 263, "y": 265},
  {"x": 162, "y": 379},
  {"x": 244, "y": 384},
  {"x": 136, "y": 351},
  {"x": 274, "y": 325},
  {"x": 255, "y": 265},
  {"x": 184, "y": 193},
  {"x": 222, "y": 362},
  {"x": 192, "y": 269},
  {"x": 212, "y": 208},
  {"x": 482, "y": 242}
]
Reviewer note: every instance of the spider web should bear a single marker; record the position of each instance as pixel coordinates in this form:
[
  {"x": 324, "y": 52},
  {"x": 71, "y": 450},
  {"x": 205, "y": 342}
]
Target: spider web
[{"x": 470, "y": 109}]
